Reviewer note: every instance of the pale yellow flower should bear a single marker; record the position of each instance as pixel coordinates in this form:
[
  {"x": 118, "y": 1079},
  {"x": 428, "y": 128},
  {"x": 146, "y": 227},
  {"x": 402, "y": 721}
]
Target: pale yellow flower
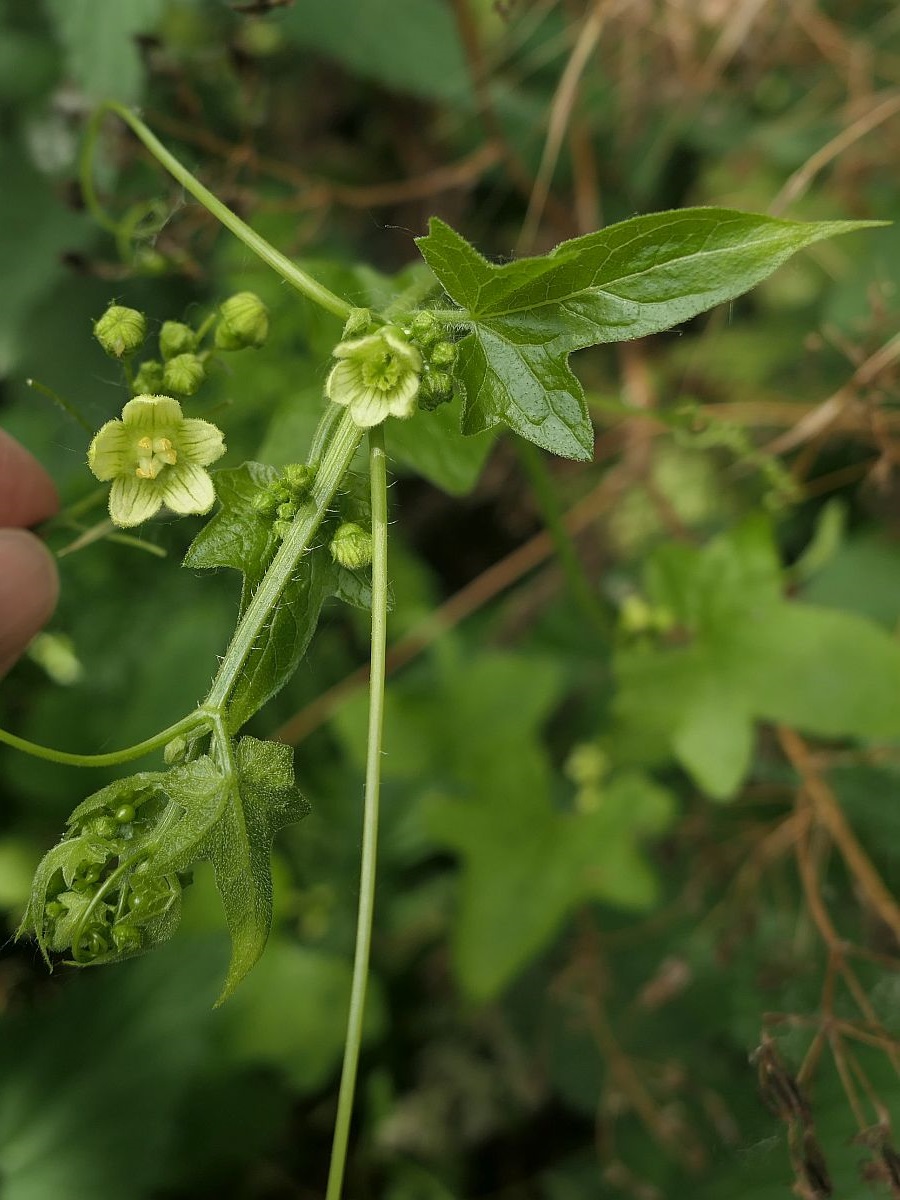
[{"x": 377, "y": 376}]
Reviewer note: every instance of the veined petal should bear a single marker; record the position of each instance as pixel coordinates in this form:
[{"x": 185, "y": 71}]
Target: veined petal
[
  {"x": 342, "y": 382},
  {"x": 402, "y": 401},
  {"x": 199, "y": 441},
  {"x": 108, "y": 454},
  {"x": 151, "y": 414},
  {"x": 133, "y": 500},
  {"x": 359, "y": 347},
  {"x": 187, "y": 488},
  {"x": 405, "y": 351},
  {"x": 369, "y": 408}
]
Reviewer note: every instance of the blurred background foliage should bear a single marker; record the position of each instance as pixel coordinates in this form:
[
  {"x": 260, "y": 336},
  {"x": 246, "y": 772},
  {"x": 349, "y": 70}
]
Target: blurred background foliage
[{"x": 642, "y": 775}]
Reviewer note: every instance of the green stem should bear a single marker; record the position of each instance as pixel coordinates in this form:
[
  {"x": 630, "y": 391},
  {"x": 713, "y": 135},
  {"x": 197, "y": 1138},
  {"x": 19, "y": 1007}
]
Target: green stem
[
  {"x": 288, "y": 270},
  {"x": 66, "y": 405},
  {"x": 578, "y": 583},
  {"x": 378, "y": 470},
  {"x": 332, "y": 469},
  {"x": 199, "y": 717}
]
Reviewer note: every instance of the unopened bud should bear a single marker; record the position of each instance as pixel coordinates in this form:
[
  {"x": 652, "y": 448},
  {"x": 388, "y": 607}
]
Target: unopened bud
[
  {"x": 358, "y": 323},
  {"x": 183, "y": 374},
  {"x": 148, "y": 379},
  {"x": 351, "y": 546},
  {"x": 443, "y": 354},
  {"x": 243, "y": 321},
  {"x": 425, "y": 327},
  {"x": 120, "y": 331},
  {"x": 437, "y": 389},
  {"x": 299, "y": 478},
  {"x": 287, "y": 512},
  {"x": 176, "y": 338}
]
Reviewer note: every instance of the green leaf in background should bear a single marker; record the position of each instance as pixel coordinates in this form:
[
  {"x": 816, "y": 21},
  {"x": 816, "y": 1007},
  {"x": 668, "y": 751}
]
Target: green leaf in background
[
  {"x": 751, "y": 656},
  {"x": 101, "y": 49},
  {"x": 291, "y": 1014},
  {"x": 260, "y": 802},
  {"x": 410, "y": 45},
  {"x": 630, "y": 280},
  {"x": 431, "y": 444},
  {"x": 528, "y": 865}
]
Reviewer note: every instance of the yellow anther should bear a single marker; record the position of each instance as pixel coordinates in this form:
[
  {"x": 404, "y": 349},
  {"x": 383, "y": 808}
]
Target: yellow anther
[{"x": 145, "y": 443}]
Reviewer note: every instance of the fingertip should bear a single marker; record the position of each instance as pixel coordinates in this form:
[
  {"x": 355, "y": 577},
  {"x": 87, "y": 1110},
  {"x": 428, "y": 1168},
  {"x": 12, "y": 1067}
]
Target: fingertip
[
  {"x": 27, "y": 493},
  {"x": 29, "y": 589}
]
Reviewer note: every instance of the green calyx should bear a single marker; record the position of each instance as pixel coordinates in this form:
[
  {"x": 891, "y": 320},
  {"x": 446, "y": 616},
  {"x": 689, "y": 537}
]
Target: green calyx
[
  {"x": 176, "y": 338},
  {"x": 120, "y": 331},
  {"x": 243, "y": 323},
  {"x": 184, "y": 374}
]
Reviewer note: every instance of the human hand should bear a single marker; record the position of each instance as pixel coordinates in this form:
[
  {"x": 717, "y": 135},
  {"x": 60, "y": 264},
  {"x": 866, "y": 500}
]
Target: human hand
[{"x": 29, "y": 584}]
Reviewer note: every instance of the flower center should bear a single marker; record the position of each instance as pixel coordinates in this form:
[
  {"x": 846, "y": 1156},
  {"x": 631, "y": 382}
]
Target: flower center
[
  {"x": 382, "y": 371},
  {"x": 153, "y": 455}
]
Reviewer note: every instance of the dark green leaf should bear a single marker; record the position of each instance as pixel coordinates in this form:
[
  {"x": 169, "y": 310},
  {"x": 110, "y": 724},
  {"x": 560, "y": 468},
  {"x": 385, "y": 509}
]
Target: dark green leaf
[
  {"x": 630, "y": 280},
  {"x": 237, "y": 535}
]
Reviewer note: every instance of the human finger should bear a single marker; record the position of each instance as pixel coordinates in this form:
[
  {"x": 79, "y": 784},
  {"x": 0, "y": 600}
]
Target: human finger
[
  {"x": 29, "y": 587},
  {"x": 27, "y": 493}
]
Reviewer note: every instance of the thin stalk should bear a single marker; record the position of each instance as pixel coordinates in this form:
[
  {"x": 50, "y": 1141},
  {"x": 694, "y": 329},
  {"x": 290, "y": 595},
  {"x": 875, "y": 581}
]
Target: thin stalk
[
  {"x": 577, "y": 581},
  {"x": 288, "y": 270},
  {"x": 378, "y": 475},
  {"x": 332, "y": 469},
  {"x": 114, "y": 756},
  {"x": 66, "y": 405}
]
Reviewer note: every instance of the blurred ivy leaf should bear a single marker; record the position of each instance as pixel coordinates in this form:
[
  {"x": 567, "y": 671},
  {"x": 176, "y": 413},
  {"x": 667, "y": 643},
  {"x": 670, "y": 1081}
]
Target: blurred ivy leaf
[
  {"x": 410, "y": 45},
  {"x": 291, "y": 1014},
  {"x": 750, "y": 655},
  {"x": 102, "y": 54},
  {"x": 627, "y": 281},
  {"x": 528, "y": 865}
]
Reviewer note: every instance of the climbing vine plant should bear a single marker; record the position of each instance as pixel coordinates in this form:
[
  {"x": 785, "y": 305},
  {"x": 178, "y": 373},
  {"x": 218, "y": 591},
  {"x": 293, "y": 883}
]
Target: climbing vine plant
[{"x": 496, "y": 338}]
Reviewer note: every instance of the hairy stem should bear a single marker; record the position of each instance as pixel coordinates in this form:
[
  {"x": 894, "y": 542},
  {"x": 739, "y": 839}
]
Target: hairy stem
[
  {"x": 288, "y": 270},
  {"x": 332, "y": 469},
  {"x": 378, "y": 471}
]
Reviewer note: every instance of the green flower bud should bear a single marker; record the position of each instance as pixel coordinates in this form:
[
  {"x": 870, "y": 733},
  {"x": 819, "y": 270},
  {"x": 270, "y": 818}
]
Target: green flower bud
[
  {"x": 176, "y": 338},
  {"x": 127, "y": 938},
  {"x": 443, "y": 354},
  {"x": 183, "y": 374},
  {"x": 357, "y": 324},
  {"x": 299, "y": 478},
  {"x": 282, "y": 529},
  {"x": 147, "y": 261},
  {"x": 425, "y": 327},
  {"x": 351, "y": 546},
  {"x": 125, "y": 813},
  {"x": 265, "y": 503},
  {"x": 437, "y": 389},
  {"x": 175, "y": 751},
  {"x": 104, "y": 827},
  {"x": 149, "y": 378},
  {"x": 93, "y": 943},
  {"x": 120, "y": 331},
  {"x": 287, "y": 512},
  {"x": 54, "y": 909},
  {"x": 243, "y": 322}
]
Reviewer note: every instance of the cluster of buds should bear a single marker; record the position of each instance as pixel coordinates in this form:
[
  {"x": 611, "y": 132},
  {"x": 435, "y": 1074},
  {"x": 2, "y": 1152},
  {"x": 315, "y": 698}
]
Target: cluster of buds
[
  {"x": 439, "y": 357},
  {"x": 242, "y": 321},
  {"x": 282, "y": 498},
  {"x": 100, "y": 896}
]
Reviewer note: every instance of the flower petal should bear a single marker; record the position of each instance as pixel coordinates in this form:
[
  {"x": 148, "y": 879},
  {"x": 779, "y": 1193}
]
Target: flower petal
[
  {"x": 405, "y": 351},
  {"x": 359, "y": 347},
  {"x": 369, "y": 407},
  {"x": 187, "y": 488},
  {"x": 133, "y": 500},
  {"x": 402, "y": 400},
  {"x": 342, "y": 382},
  {"x": 108, "y": 454},
  {"x": 152, "y": 414},
  {"x": 200, "y": 442}
]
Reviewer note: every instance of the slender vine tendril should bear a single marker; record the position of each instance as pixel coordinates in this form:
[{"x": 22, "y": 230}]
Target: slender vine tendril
[
  {"x": 288, "y": 270},
  {"x": 138, "y": 750},
  {"x": 378, "y": 476}
]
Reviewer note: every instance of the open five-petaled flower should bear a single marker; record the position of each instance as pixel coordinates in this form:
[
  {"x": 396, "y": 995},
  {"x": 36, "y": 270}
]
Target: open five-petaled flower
[
  {"x": 155, "y": 456},
  {"x": 377, "y": 376}
]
